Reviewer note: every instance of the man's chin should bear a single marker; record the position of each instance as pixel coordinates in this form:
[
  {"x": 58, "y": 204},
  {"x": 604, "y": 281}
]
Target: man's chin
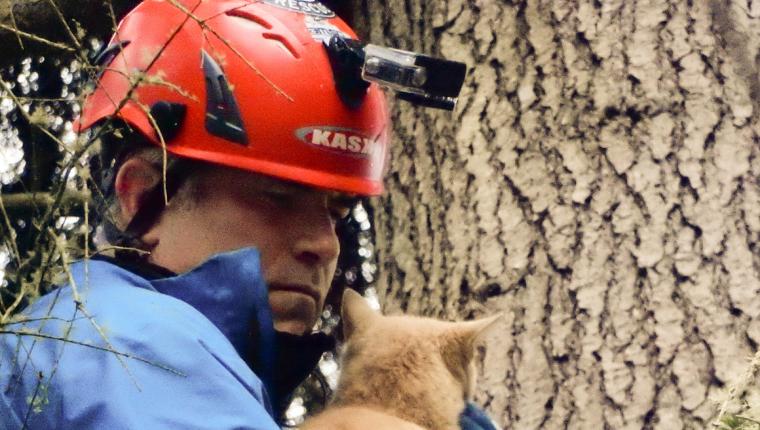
[
  {"x": 293, "y": 312},
  {"x": 292, "y": 326}
]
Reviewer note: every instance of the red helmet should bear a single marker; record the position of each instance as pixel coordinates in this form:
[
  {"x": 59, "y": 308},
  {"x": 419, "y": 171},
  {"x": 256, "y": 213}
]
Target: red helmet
[{"x": 254, "y": 88}]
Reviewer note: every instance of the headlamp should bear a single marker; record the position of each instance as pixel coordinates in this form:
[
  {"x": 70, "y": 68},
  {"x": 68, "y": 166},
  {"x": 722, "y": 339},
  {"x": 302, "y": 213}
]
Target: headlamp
[{"x": 417, "y": 78}]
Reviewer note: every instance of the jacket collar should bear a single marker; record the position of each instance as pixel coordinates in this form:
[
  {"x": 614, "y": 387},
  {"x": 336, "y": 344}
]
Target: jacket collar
[{"x": 229, "y": 290}]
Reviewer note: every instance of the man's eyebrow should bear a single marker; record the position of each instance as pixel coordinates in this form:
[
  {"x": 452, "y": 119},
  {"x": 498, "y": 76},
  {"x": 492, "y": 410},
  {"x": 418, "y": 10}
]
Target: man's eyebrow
[
  {"x": 335, "y": 197},
  {"x": 345, "y": 200}
]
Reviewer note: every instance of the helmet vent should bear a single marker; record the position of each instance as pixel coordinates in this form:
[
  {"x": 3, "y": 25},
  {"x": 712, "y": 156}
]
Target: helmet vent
[
  {"x": 284, "y": 44},
  {"x": 108, "y": 53},
  {"x": 222, "y": 114},
  {"x": 250, "y": 17},
  {"x": 104, "y": 58}
]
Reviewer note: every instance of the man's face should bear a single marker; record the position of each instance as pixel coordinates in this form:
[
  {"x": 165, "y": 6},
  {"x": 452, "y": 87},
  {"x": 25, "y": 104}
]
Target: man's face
[{"x": 292, "y": 226}]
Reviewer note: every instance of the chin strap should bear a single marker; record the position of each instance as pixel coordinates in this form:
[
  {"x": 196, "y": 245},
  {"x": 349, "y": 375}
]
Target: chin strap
[
  {"x": 153, "y": 202},
  {"x": 168, "y": 118},
  {"x": 150, "y": 206},
  {"x": 295, "y": 358}
]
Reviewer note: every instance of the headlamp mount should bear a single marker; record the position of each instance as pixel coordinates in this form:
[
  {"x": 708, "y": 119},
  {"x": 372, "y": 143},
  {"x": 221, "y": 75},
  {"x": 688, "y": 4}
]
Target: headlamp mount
[{"x": 416, "y": 78}]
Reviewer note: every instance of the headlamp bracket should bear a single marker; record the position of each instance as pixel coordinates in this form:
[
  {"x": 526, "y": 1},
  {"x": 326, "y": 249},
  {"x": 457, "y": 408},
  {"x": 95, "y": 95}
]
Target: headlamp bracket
[{"x": 419, "y": 79}]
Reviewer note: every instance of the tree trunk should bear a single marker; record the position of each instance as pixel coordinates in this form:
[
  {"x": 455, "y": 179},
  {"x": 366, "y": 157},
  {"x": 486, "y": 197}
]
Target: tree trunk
[{"x": 598, "y": 183}]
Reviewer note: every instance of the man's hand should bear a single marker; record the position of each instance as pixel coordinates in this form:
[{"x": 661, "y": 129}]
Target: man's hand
[{"x": 474, "y": 418}]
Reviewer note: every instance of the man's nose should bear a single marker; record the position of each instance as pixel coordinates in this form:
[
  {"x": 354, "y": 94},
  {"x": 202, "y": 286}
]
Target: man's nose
[{"x": 316, "y": 240}]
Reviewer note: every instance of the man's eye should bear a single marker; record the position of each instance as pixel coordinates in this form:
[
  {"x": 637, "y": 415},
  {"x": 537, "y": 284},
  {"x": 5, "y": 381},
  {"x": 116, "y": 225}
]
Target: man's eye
[
  {"x": 341, "y": 206},
  {"x": 340, "y": 213},
  {"x": 278, "y": 198}
]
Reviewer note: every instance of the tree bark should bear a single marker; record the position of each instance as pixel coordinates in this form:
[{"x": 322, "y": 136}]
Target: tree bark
[{"x": 598, "y": 182}]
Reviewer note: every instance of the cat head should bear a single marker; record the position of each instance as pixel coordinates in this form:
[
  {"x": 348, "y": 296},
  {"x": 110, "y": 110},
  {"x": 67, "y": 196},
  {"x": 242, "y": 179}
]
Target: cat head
[{"x": 422, "y": 363}]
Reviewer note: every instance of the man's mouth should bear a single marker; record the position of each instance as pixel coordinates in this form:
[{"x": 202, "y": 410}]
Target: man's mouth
[{"x": 296, "y": 288}]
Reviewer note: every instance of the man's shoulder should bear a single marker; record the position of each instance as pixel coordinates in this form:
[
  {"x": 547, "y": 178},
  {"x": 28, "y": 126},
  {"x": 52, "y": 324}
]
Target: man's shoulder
[
  {"x": 104, "y": 305},
  {"x": 105, "y": 291},
  {"x": 110, "y": 332}
]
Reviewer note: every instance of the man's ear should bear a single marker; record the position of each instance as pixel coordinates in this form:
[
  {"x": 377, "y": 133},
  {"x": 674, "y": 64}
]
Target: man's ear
[
  {"x": 135, "y": 178},
  {"x": 355, "y": 312}
]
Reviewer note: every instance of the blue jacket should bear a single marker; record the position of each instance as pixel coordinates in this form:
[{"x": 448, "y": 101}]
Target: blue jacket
[{"x": 142, "y": 354}]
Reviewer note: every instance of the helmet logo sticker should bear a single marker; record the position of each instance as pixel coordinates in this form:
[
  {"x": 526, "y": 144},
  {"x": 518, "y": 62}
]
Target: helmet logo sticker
[
  {"x": 341, "y": 140},
  {"x": 308, "y": 7},
  {"x": 322, "y": 30}
]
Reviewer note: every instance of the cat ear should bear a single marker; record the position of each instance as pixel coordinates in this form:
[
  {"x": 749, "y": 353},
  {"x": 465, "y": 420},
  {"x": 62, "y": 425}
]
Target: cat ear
[
  {"x": 476, "y": 331},
  {"x": 458, "y": 348},
  {"x": 461, "y": 338},
  {"x": 355, "y": 312}
]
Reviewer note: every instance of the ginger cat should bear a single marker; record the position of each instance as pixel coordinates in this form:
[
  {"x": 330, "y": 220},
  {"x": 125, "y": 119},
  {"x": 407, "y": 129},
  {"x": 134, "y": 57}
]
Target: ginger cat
[{"x": 401, "y": 372}]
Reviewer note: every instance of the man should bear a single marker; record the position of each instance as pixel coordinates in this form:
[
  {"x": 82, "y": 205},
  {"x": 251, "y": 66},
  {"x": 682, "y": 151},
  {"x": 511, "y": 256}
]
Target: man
[{"x": 270, "y": 135}]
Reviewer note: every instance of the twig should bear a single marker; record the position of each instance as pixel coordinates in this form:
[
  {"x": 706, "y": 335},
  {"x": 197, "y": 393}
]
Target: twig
[
  {"x": 26, "y": 202},
  {"x": 11, "y": 230},
  {"x": 164, "y": 156},
  {"x": 122, "y": 248},
  {"x": 32, "y": 400},
  {"x": 96, "y": 347},
  {"x": 739, "y": 387},
  {"x": 27, "y": 117},
  {"x": 80, "y": 307},
  {"x": 205, "y": 27},
  {"x": 15, "y": 27},
  {"x": 66, "y": 26},
  {"x": 12, "y": 233},
  {"x": 137, "y": 83},
  {"x": 752, "y": 420},
  {"x": 39, "y": 39},
  {"x": 16, "y": 321}
]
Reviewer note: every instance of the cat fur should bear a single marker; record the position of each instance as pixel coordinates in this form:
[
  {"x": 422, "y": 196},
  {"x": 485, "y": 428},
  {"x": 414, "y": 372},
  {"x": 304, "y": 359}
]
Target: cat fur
[{"x": 401, "y": 372}]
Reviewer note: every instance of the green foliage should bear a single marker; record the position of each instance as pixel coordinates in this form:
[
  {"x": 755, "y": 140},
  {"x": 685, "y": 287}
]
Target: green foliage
[
  {"x": 41, "y": 227},
  {"x": 737, "y": 409},
  {"x": 738, "y": 422},
  {"x": 40, "y": 397}
]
